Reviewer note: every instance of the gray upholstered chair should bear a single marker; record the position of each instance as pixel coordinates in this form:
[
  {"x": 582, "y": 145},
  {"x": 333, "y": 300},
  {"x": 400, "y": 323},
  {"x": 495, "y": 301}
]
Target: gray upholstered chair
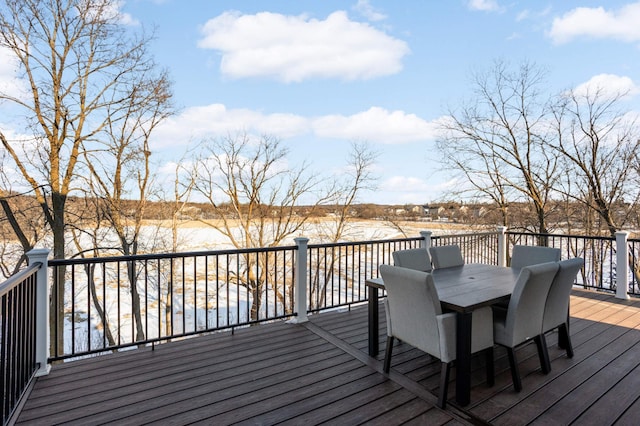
[
  {"x": 522, "y": 256},
  {"x": 417, "y": 259},
  {"x": 556, "y": 310},
  {"x": 414, "y": 316},
  {"x": 522, "y": 320},
  {"x": 446, "y": 256}
]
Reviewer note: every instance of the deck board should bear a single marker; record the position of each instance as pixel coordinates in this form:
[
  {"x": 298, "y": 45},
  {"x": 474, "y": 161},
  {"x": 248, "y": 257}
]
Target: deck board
[
  {"x": 595, "y": 343},
  {"x": 320, "y": 373}
]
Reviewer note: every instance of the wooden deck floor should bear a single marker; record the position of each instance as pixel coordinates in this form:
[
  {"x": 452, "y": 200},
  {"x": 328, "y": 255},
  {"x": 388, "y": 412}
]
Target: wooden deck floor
[{"x": 319, "y": 372}]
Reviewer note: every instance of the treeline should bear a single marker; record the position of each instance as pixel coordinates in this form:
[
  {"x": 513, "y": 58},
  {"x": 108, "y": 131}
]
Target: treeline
[
  {"x": 87, "y": 210},
  {"x": 563, "y": 217}
]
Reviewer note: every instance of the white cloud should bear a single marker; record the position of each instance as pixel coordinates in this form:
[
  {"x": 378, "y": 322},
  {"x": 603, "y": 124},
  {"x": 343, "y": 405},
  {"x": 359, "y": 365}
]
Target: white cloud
[
  {"x": 376, "y": 125},
  {"x": 216, "y": 120},
  {"x": 523, "y": 15},
  {"x": 365, "y": 8},
  {"x": 114, "y": 11},
  {"x": 485, "y": 5},
  {"x": 533, "y": 15},
  {"x": 10, "y": 84},
  {"x": 128, "y": 19},
  {"x": 406, "y": 189},
  {"x": 607, "y": 85},
  {"x": 296, "y": 48},
  {"x": 404, "y": 184},
  {"x": 411, "y": 190},
  {"x": 622, "y": 24}
]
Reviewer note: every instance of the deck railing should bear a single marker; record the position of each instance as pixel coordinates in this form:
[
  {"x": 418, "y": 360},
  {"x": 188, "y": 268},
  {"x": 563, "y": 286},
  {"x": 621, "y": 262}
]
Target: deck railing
[
  {"x": 600, "y": 254},
  {"x": 18, "y": 363},
  {"x": 337, "y": 272},
  {"x": 479, "y": 247},
  {"x": 117, "y": 302},
  {"x": 107, "y": 304},
  {"x": 634, "y": 263}
]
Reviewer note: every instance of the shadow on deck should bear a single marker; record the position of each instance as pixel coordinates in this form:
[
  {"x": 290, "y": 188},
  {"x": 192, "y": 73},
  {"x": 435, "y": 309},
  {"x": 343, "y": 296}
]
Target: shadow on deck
[{"x": 319, "y": 372}]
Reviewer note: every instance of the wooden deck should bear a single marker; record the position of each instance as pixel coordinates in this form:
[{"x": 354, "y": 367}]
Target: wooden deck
[{"x": 319, "y": 372}]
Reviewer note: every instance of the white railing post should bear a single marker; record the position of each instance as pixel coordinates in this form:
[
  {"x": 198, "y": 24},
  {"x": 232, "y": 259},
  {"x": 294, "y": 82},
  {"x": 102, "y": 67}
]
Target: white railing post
[
  {"x": 42, "y": 309},
  {"x": 622, "y": 265},
  {"x": 502, "y": 245},
  {"x": 300, "y": 277},
  {"x": 426, "y": 239}
]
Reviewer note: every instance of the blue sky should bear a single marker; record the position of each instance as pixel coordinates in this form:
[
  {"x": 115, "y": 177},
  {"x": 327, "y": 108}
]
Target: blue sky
[{"x": 320, "y": 74}]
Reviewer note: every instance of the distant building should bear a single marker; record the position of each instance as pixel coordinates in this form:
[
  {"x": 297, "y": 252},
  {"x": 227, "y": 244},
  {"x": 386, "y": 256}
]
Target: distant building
[
  {"x": 433, "y": 212},
  {"x": 418, "y": 210},
  {"x": 452, "y": 212}
]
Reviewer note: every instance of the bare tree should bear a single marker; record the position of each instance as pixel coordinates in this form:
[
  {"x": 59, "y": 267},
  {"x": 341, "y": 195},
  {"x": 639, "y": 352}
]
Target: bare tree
[
  {"x": 358, "y": 177},
  {"x": 21, "y": 227},
  {"x": 183, "y": 183},
  {"x": 78, "y": 62},
  {"x": 479, "y": 168},
  {"x": 599, "y": 146},
  {"x": 120, "y": 170},
  {"x": 254, "y": 195},
  {"x": 253, "y": 192},
  {"x": 497, "y": 140},
  {"x": 91, "y": 229}
]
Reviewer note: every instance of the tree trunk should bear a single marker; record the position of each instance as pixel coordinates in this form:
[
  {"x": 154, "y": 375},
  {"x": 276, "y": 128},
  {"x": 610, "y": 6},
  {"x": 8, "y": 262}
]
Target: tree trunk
[
  {"x": 256, "y": 300},
  {"x": 135, "y": 301},
  {"x": 96, "y": 303}
]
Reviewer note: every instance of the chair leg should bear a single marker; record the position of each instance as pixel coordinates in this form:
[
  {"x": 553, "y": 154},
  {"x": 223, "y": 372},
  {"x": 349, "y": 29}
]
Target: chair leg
[
  {"x": 490, "y": 368},
  {"x": 445, "y": 368},
  {"x": 515, "y": 374},
  {"x": 562, "y": 337},
  {"x": 563, "y": 333},
  {"x": 387, "y": 355},
  {"x": 543, "y": 353}
]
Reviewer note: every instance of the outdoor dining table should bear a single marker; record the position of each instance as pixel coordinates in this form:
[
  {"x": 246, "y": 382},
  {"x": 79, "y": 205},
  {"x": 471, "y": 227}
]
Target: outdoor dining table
[{"x": 461, "y": 289}]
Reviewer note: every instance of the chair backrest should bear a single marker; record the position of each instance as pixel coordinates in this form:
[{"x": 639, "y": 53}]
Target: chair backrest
[
  {"x": 446, "y": 256},
  {"x": 417, "y": 259},
  {"x": 557, "y": 306},
  {"x": 522, "y": 256},
  {"x": 412, "y": 307},
  {"x": 526, "y": 307}
]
